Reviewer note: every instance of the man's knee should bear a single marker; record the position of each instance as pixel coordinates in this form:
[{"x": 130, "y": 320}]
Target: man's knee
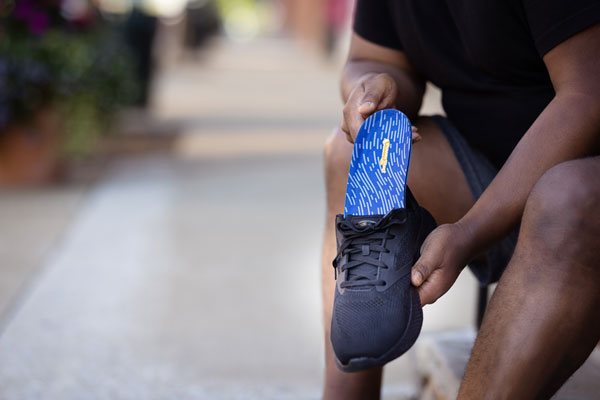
[
  {"x": 337, "y": 154},
  {"x": 563, "y": 209}
]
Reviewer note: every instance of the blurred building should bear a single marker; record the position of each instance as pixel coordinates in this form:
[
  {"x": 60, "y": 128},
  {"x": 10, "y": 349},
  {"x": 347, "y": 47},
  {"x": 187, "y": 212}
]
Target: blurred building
[{"x": 317, "y": 22}]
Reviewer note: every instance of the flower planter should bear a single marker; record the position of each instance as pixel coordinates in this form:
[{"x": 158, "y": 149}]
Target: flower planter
[{"x": 29, "y": 152}]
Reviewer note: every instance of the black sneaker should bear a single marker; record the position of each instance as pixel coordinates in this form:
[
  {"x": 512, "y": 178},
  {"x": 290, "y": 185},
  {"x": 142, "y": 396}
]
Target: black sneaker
[{"x": 377, "y": 314}]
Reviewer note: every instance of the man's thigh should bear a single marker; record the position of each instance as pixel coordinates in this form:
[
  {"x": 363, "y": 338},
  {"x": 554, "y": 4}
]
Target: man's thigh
[{"x": 436, "y": 177}]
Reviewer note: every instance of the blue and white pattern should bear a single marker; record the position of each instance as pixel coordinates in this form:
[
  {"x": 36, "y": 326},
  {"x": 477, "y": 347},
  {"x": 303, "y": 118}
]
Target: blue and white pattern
[{"x": 379, "y": 166}]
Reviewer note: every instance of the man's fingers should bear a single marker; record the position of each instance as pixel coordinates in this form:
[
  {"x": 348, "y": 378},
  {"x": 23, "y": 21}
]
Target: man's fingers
[
  {"x": 435, "y": 286},
  {"x": 416, "y": 137},
  {"x": 354, "y": 120},
  {"x": 428, "y": 294},
  {"x": 370, "y": 99},
  {"x": 388, "y": 98},
  {"x": 351, "y": 122},
  {"x": 375, "y": 93},
  {"x": 379, "y": 93},
  {"x": 344, "y": 128}
]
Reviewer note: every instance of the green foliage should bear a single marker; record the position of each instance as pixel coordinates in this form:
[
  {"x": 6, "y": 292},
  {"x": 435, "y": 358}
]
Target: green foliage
[{"x": 86, "y": 74}]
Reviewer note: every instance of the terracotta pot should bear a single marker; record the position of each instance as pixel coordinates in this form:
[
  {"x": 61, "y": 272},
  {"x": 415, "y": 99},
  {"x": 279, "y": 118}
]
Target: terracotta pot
[{"x": 29, "y": 152}]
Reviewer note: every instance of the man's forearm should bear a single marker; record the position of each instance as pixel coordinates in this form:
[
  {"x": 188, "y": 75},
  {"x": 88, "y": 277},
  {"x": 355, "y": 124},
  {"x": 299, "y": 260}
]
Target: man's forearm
[
  {"x": 568, "y": 128},
  {"x": 410, "y": 87}
]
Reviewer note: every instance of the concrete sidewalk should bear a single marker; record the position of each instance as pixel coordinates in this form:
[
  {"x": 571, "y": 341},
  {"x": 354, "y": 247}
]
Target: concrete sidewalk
[{"x": 178, "y": 280}]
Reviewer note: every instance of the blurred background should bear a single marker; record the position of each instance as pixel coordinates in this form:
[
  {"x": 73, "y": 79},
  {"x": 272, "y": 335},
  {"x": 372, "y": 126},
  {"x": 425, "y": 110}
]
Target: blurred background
[{"x": 162, "y": 199}]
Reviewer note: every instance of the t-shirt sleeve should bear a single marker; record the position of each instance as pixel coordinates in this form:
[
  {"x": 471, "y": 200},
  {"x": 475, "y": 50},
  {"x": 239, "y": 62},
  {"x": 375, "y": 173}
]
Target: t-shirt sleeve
[
  {"x": 554, "y": 21},
  {"x": 373, "y": 22}
]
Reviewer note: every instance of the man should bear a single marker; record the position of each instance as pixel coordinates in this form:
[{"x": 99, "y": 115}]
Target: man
[{"x": 518, "y": 153}]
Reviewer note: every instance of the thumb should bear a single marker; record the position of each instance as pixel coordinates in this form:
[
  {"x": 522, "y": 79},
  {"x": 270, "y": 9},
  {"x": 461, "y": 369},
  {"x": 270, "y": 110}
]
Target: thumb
[
  {"x": 423, "y": 267},
  {"x": 420, "y": 272},
  {"x": 368, "y": 106},
  {"x": 421, "y": 277},
  {"x": 370, "y": 99}
]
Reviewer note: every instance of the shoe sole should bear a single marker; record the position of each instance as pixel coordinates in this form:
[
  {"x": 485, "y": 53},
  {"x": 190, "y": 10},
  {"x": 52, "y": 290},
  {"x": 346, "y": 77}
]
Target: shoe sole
[
  {"x": 379, "y": 166},
  {"x": 406, "y": 341}
]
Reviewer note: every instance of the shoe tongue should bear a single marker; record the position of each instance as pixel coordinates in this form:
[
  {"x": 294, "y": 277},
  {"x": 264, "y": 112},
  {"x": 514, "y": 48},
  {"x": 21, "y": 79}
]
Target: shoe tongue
[
  {"x": 362, "y": 222},
  {"x": 358, "y": 273}
]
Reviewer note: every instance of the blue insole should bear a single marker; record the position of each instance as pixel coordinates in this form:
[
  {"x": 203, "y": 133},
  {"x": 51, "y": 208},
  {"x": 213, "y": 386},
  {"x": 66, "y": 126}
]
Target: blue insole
[{"x": 379, "y": 166}]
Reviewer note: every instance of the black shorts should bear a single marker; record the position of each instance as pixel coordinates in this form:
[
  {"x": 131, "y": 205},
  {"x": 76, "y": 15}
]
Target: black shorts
[{"x": 479, "y": 173}]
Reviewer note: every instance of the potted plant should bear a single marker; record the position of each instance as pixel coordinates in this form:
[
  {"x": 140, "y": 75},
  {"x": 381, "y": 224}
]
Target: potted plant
[{"x": 63, "y": 74}]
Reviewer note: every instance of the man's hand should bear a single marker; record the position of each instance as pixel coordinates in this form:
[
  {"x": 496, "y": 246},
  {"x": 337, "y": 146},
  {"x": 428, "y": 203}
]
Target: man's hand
[
  {"x": 373, "y": 93},
  {"x": 444, "y": 254}
]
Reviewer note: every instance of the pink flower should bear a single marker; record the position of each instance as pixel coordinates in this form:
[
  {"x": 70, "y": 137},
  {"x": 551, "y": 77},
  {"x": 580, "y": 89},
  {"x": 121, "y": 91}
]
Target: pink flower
[{"x": 37, "y": 20}]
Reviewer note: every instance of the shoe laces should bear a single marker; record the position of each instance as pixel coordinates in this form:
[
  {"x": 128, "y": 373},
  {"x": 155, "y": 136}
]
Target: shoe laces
[{"x": 364, "y": 242}]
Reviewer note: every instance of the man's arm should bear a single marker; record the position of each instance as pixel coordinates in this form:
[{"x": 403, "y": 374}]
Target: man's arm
[
  {"x": 568, "y": 128},
  {"x": 375, "y": 78}
]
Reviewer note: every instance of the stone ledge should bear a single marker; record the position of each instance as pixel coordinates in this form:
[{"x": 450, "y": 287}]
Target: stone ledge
[{"x": 442, "y": 358}]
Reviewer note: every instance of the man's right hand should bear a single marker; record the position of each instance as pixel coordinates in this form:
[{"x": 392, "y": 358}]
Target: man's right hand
[{"x": 373, "y": 93}]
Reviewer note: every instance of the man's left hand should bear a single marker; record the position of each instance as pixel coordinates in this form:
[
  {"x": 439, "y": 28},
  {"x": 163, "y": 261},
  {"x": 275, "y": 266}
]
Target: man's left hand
[{"x": 444, "y": 254}]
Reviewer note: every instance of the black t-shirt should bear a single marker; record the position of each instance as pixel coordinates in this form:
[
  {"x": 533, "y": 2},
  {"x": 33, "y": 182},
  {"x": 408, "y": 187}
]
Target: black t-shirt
[{"x": 485, "y": 55}]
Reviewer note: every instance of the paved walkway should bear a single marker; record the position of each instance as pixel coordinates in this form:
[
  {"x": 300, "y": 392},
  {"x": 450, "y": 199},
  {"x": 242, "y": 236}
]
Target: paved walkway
[
  {"x": 193, "y": 274},
  {"x": 33, "y": 221}
]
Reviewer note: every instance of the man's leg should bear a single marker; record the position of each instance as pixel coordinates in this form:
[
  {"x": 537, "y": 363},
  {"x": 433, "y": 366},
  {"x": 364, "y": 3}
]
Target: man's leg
[
  {"x": 544, "y": 318},
  {"x": 437, "y": 183}
]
